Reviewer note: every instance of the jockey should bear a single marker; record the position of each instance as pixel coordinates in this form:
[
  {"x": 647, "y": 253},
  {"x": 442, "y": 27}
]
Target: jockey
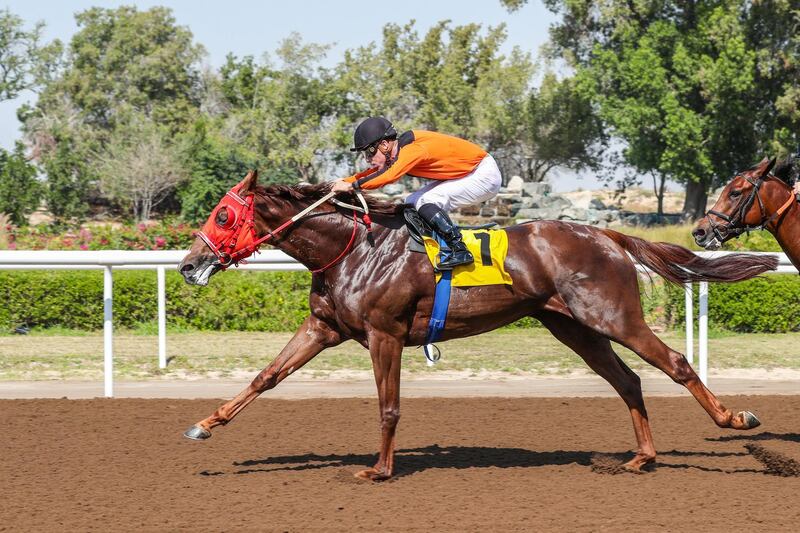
[{"x": 461, "y": 174}]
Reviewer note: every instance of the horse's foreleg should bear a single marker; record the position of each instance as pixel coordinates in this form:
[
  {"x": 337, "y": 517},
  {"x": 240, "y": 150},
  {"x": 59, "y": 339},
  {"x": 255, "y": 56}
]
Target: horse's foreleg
[
  {"x": 312, "y": 337},
  {"x": 385, "y": 352},
  {"x": 597, "y": 352}
]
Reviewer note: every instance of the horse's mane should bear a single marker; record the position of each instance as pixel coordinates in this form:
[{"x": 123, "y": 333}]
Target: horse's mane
[{"x": 316, "y": 191}]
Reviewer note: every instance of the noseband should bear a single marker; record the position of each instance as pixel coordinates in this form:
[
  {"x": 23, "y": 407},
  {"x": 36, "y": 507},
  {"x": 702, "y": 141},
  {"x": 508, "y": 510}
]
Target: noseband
[{"x": 735, "y": 224}]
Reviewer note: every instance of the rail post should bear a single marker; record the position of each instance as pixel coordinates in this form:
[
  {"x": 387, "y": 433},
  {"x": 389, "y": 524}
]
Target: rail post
[
  {"x": 689, "y": 322},
  {"x": 703, "y": 333},
  {"x": 108, "y": 331},
  {"x": 162, "y": 319}
]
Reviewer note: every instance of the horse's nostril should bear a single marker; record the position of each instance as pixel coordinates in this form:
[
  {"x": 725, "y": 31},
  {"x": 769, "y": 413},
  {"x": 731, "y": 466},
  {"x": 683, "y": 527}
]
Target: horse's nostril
[
  {"x": 699, "y": 233},
  {"x": 188, "y": 267}
]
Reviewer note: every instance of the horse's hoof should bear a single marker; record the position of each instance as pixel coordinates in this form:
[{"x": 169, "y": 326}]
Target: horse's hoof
[
  {"x": 197, "y": 433},
  {"x": 370, "y": 474},
  {"x": 749, "y": 419}
]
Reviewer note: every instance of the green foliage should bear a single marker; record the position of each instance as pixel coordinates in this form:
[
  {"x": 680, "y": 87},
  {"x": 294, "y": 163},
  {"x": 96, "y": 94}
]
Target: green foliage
[
  {"x": 764, "y": 305},
  {"x": 694, "y": 90},
  {"x": 215, "y": 165},
  {"x": 121, "y": 63},
  {"x": 242, "y": 301},
  {"x": 20, "y": 192},
  {"x": 23, "y": 59},
  {"x": 70, "y": 182}
]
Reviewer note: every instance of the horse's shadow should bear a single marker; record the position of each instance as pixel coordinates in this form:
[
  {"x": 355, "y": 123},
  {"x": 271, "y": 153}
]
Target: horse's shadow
[{"x": 414, "y": 460}]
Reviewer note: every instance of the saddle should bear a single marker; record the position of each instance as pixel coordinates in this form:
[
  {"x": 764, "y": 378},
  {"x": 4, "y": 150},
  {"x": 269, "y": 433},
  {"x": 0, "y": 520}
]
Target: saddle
[{"x": 418, "y": 228}]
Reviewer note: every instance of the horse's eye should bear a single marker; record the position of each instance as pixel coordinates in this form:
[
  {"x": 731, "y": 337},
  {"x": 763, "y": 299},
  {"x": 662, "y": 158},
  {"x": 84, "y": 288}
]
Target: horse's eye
[
  {"x": 222, "y": 217},
  {"x": 736, "y": 194}
]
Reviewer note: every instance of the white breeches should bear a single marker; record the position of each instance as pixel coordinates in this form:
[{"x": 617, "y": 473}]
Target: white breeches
[{"x": 478, "y": 186}]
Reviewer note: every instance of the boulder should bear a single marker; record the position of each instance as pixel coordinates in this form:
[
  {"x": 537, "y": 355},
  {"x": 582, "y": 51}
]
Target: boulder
[
  {"x": 515, "y": 184},
  {"x": 536, "y": 189}
]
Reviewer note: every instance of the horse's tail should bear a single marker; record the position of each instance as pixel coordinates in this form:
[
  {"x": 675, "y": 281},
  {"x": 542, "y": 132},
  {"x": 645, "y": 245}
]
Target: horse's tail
[{"x": 680, "y": 265}]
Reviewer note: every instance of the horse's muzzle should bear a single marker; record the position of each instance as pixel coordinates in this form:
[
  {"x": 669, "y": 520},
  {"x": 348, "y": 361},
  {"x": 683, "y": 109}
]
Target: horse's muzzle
[
  {"x": 198, "y": 274},
  {"x": 705, "y": 238}
]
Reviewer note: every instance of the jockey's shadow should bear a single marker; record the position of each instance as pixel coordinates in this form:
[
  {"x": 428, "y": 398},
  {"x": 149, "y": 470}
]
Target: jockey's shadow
[{"x": 413, "y": 460}]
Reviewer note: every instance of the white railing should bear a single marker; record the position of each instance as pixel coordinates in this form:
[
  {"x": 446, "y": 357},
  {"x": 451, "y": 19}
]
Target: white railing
[
  {"x": 108, "y": 260},
  {"x": 273, "y": 260}
]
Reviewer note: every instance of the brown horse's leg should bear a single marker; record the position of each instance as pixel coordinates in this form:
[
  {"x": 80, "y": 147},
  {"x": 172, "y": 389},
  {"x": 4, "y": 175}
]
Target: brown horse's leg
[
  {"x": 649, "y": 347},
  {"x": 386, "y": 352},
  {"x": 623, "y": 321},
  {"x": 597, "y": 352},
  {"x": 312, "y": 337}
]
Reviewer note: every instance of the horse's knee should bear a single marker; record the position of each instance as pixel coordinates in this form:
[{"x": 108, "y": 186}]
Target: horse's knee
[
  {"x": 390, "y": 417},
  {"x": 264, "y": 381},
  {"x": 682, "y": 371}
]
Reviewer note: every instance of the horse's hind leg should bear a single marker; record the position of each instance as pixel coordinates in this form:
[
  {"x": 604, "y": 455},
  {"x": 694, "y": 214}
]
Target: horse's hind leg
[
  {"x": 597, "y": 352},
  {"x": 649, "y": 347},
  {"x": 624, "y": 323},
  {"x": 311, "y": 338}
]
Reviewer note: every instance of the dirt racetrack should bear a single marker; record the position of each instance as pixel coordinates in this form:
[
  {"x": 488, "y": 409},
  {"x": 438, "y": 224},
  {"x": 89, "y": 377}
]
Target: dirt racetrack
[{"x": 477, "y": 464}]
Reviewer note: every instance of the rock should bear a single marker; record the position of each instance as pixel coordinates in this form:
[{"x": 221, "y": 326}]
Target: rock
[
  {"x": 515, "y": 184},
  {"x": 555, "y": 201},
  {"x": 595, "y": 203},
  {"x": 544, "y": 213},
  {"x": 574, "y": 213},
  {"x": 536, "y": 189}
]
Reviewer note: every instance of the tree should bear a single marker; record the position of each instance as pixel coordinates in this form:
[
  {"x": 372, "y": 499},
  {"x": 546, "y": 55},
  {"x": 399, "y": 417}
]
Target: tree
[
  {"x": 23, "y": 59},
  {"x": 121, "y": 63},
  {"x": 695, "y": 90},
  {"x": 285, "y": 112},
  {"x": 20, "y": 192},
  {"x": 139, "y": 167},
  {"x": 215, "y": 164}
]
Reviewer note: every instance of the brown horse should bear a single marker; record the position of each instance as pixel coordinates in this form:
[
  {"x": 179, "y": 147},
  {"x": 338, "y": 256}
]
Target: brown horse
[
  {"x": 577, "y": 280},
  {"x": 758, "y": 198}
]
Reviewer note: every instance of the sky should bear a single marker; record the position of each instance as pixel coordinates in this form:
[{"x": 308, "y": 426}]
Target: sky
[{"x": 254, "y": 27}]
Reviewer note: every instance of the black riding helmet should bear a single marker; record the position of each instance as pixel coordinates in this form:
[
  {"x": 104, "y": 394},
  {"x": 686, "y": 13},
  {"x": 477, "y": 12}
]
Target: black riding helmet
[{"x": 372, "y": 130}]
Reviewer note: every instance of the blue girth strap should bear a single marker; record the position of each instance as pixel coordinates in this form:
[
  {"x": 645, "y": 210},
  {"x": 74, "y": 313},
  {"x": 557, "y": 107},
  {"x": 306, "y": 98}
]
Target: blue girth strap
[{"x": 441, "y": 302}]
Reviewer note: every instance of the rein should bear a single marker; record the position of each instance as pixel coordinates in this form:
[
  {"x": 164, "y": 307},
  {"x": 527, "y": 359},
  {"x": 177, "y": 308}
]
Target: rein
[
  {"x": 232, "y": 247},
  {"x": 735, "y": 225}
]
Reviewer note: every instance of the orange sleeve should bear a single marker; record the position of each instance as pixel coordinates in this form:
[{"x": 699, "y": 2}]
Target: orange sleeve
[
  {"x": 361, "y": 174},
  {"x": 407, "y": 158}
]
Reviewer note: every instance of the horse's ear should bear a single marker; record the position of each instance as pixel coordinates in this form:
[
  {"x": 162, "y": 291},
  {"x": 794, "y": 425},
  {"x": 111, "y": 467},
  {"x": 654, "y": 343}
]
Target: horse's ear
[
  {"x": 766, "y": 169},
  {"x": 784, "y": 169},
  {"x": 248, "y": 184}
]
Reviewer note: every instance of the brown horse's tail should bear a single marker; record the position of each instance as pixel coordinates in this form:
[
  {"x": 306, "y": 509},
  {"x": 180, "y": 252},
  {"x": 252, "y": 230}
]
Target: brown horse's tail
[{"x": 680, "y": 265}]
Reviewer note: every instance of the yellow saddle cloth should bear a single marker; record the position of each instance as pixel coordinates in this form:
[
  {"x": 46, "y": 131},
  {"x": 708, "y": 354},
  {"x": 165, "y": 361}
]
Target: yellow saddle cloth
[{"x": 488, "y": 247}]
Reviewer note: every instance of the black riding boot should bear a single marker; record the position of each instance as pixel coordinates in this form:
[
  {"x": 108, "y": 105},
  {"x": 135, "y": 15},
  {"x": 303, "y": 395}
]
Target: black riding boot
[{"x": 441, "y": 224}]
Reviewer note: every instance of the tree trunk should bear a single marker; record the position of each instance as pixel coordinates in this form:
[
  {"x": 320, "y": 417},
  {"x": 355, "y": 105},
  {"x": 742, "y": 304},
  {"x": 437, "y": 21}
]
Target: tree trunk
[
  {"x": 659, "y": 184},
  {"x": 694, "y": 206}
]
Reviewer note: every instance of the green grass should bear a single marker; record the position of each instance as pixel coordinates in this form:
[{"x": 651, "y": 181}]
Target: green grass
[{"x": 228, "y": 354}]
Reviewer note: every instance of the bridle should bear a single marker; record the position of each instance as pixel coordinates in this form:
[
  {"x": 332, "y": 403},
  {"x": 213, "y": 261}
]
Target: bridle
[
  {"x": 735, "y": 224},
  {"x": 235, "y": 239}
]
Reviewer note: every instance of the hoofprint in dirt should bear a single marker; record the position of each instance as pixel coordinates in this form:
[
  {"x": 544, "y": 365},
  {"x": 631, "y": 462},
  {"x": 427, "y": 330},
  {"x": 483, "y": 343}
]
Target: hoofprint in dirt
[{"x": 462, "y": 464}]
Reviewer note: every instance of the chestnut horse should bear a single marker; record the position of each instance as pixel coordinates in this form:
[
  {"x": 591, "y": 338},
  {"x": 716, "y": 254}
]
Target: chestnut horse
[
  {"x": 577, "y": 280},
  {"x": 758, "y": 198}
]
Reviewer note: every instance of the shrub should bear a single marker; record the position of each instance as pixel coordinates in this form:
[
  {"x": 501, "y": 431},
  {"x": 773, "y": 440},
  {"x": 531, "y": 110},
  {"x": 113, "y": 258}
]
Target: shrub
[
  {"x": 769, "y": 304},
  {"x": 243, "y": 301}
]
